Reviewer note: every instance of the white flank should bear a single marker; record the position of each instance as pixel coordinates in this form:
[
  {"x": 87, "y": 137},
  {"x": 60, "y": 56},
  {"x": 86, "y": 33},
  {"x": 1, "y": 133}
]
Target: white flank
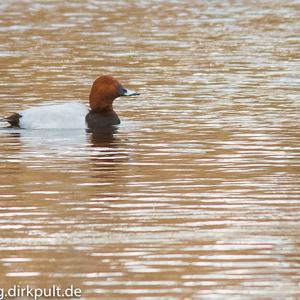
[{"x": 64, "y": 116}]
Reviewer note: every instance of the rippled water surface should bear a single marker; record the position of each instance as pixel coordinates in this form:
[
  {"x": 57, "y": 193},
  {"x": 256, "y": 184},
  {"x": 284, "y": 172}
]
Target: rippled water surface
[{"x": 197, "y": 194}]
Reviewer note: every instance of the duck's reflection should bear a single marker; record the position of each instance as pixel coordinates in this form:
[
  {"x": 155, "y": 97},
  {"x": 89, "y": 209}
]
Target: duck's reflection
[
  {"x": 88, "y": 158},
  {"x": 103, "y": 138},
  {"x": 110, "y": 154},
  {"x": 100, "y": 147}
]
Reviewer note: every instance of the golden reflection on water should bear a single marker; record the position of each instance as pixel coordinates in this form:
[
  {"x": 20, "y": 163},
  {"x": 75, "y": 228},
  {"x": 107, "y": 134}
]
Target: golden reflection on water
[{"x": 196, "y": 194}]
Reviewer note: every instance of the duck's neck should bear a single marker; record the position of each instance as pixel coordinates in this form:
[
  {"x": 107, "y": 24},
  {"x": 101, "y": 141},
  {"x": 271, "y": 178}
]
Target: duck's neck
[{"x": 102, "y": 110}]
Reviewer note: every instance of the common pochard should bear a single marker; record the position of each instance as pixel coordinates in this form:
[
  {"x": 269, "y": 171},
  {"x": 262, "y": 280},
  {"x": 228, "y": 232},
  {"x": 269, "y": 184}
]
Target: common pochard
[{"x": 104, "y": 91}]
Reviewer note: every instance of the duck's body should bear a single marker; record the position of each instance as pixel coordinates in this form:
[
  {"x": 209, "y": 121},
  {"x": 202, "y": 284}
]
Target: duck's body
[
  {"x": 74, "y": 115},
  {"x": 66, "y": 115}
]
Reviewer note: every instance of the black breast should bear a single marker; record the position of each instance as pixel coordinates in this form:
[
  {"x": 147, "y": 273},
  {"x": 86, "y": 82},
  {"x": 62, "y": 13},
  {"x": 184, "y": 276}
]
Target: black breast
[{"x": 100, "y": 120}]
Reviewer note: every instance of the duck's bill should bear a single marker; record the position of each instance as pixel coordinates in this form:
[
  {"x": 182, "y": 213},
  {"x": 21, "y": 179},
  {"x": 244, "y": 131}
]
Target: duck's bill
[{"x": 129, "y": 93}]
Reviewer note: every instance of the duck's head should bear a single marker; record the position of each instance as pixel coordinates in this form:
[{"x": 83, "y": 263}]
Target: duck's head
[{"x": 104, "y": 91}]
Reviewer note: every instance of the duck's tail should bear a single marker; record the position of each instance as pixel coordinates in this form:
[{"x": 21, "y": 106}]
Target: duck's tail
[{"x": 13, "y": 120}]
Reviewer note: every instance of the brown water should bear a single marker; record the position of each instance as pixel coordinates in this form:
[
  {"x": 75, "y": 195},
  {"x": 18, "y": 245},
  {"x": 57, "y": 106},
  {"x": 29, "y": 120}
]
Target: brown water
[{"x": 197, "y": 194}]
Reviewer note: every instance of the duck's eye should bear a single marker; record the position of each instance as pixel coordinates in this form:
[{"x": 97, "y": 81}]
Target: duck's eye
[{"x": 122, "y": 91}]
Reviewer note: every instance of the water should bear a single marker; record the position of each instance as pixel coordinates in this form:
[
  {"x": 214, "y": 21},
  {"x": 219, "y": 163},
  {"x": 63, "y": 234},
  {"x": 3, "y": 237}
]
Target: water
[{"x": 197, "y": 194}]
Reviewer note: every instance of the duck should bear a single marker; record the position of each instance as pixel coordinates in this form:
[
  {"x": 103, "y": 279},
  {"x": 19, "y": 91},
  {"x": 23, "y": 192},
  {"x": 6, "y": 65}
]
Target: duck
[{"x": 75, "y": 115}]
